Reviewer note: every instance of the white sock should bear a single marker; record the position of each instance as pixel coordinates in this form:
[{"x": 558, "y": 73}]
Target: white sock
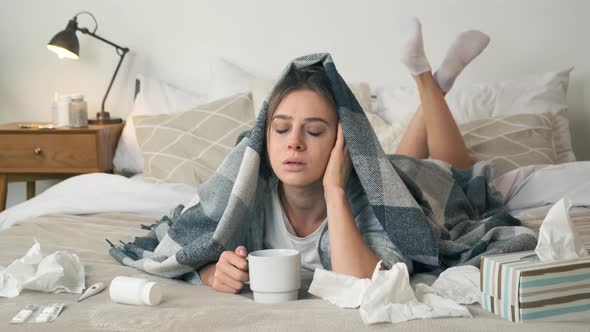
[
  {"x": 467, "y": 46},
  {"x": 412, "y": 47}
]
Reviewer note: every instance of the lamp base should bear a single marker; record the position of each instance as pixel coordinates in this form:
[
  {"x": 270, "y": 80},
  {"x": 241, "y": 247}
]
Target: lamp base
[
  {"x": 104, "y": 118},
  {"x": 105, "y": 121}
]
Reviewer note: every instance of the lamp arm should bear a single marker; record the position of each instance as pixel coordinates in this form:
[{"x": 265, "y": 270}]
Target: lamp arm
[
  {"x": 120, "y": 50},
  {"x": 86, "y": 31},
  {"x": 112, "y": 80}
]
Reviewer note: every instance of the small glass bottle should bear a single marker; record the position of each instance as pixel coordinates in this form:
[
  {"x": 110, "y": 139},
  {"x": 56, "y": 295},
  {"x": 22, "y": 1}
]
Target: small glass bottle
[
  {"x": 135, "y": 291},
  {"x": 78, "y": 112}
]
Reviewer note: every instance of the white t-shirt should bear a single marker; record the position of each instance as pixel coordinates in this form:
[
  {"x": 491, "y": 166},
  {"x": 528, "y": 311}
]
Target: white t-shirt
[{"x": 279, "y": 234}]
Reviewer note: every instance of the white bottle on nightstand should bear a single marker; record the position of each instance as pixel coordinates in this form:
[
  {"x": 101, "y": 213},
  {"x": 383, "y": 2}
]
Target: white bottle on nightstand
[
  {"x": 63, "y": 111},
  {"x": 54, "y": 108}
]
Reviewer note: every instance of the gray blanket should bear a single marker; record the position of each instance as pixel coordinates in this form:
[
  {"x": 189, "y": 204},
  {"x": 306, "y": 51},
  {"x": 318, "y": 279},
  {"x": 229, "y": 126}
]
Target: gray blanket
[{"x": 436, "y": 215}]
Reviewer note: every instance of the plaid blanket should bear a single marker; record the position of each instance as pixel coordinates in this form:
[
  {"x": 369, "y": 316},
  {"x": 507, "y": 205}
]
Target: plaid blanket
[{"x": 436, "y": 215}]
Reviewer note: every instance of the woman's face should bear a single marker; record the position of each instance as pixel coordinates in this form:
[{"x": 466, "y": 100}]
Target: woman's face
[{"x": 301, "y": 136}]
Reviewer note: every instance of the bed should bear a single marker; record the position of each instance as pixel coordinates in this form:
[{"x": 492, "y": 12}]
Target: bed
[
  {"x": 186, "y": 306},
  {"x": 535, "y": 153}
]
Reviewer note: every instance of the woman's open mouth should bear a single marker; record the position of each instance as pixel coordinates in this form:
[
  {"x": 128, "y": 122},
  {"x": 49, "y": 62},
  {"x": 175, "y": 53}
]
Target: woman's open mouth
[{"x": 293, "y": 165}]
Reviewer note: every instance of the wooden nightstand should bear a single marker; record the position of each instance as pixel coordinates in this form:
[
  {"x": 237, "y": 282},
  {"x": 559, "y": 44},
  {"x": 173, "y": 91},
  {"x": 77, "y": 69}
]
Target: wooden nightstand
[{"x": 39, "y": 154}]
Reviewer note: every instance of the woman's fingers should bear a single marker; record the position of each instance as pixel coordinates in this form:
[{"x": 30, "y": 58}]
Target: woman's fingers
[
  {"x": 241, "y": 251},
  {"x": 223, "y": 278},
  {"x": 225, "y": 289},
  {"x": 340, "y": 136},
  {"x": 231, "y": 271},
  {"x": 234, "y": 272},
  {"x": 219, "y": 286},
  {"x": 233, "y": 259},
  {"x": 238, "y": 262},
  {"x": 339, "y": 165}
]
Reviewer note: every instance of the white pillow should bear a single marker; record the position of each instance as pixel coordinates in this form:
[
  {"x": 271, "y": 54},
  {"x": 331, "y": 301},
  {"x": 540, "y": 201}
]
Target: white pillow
[
  {"x": 389, "y": 135},
  {"x": 260, "y": 90},
  {"x": 228, "y": 79},
  {"x": 540, "y": 93},
  {"x": 154, "y": 97}
]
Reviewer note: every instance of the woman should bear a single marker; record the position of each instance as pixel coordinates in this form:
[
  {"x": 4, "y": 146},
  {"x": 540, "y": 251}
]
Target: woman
[{"x": 307, "y": 153}]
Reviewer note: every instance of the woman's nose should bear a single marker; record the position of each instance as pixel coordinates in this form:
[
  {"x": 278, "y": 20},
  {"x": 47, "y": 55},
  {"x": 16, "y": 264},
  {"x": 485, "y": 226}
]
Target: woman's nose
[
  {"x": 297, "y": 147},
  {"x": 296, "y": 143}
]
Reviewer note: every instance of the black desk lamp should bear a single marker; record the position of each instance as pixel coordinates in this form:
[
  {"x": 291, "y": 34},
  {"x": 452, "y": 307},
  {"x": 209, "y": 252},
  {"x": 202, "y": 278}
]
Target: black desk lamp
[{"x": 66, "y": 45}]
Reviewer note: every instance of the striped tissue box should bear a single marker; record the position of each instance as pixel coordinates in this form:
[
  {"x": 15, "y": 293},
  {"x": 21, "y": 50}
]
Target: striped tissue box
[{"x": 519, "y": 287}]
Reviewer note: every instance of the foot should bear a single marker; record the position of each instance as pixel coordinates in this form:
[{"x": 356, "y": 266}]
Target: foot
[
  {"x": 412, "y": 47},
  {"x": 467, "y": 46}
]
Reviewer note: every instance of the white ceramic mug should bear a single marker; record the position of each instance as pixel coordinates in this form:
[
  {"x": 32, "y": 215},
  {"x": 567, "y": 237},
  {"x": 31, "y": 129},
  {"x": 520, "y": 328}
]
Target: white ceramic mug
[{"x": 275, "y": 275}]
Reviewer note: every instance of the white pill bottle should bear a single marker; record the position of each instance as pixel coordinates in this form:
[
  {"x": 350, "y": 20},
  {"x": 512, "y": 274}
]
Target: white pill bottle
[
  {"x": 136, "y": 291},
  {"x": 62, "y": 118}
]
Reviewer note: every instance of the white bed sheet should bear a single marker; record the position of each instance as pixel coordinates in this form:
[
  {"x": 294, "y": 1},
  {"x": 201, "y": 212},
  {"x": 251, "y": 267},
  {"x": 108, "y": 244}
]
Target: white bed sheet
[
  {"x": 102, "y": 193},
  {"x": 529, "y": 193}
]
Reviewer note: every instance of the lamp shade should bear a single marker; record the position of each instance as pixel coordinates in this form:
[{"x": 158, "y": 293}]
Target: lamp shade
[{"x": 65, "y": 43}]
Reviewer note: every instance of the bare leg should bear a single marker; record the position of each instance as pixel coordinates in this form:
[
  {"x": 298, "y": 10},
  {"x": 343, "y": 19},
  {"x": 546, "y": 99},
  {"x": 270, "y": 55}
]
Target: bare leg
[
  {"x": 414, "y": 142},
  {"x": 443, "y": 139},
  {"x": 433, "y": 131}
]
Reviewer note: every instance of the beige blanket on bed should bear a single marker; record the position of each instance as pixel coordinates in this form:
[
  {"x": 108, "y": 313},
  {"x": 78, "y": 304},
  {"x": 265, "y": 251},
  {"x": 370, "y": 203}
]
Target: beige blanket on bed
[{"x": 188, "y": 307}]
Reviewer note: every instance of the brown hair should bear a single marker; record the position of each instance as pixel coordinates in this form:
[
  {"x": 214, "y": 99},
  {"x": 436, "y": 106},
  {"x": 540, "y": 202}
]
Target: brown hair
[{"x": 311, "y": 78}]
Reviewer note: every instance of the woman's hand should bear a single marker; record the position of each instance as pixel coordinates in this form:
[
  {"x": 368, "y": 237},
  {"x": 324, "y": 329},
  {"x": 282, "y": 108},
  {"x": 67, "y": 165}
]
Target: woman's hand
[
  {"x": 229, "y": 274},
  {"x": 339, "y": 166}
]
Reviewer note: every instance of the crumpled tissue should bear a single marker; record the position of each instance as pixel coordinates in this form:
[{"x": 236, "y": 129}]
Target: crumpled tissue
[
  {"x": 558, "y": 239},
  {"x": 460, "y": 284},
  {"x": 388, "y": 295},
  {"x": 59, "y": 272}
]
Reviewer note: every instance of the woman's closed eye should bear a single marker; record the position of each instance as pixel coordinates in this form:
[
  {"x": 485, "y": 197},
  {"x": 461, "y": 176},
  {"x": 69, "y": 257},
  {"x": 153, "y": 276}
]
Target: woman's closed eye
[
  {"x": 310, "y": 132},
  {"x": 315, "y": 134},
  {"x": 315, "y": 130},
  {"x": 281, "y": 130}
]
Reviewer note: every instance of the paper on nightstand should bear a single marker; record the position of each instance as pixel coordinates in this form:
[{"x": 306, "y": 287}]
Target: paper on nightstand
[{"x": 59, "y": 272}]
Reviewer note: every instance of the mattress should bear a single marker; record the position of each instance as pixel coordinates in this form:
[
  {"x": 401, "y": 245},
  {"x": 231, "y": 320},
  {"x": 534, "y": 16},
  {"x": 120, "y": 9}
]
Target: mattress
[{"x": 190, "y": 307}]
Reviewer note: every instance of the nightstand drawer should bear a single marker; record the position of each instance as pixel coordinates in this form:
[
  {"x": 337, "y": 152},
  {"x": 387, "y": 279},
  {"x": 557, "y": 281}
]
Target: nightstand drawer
[{"x": 65, "y": 153}]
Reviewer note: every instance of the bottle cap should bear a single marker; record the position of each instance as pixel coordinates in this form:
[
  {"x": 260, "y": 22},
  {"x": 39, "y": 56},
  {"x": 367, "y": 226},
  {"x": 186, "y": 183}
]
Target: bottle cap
[
  {"x": 77, "y": 97},
  {"x": 151, "y": 293}
]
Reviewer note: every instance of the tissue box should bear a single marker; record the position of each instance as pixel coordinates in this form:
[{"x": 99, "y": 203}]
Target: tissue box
[{"x": 519, "y": 287}]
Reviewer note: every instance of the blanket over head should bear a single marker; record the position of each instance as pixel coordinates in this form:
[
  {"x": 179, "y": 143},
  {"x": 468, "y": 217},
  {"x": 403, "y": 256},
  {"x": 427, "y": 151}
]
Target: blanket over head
[{"x": 434, "y": 214}]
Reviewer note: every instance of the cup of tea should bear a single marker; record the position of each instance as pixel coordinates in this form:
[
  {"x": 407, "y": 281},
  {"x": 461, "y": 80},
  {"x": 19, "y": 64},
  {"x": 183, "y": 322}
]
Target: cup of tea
[{"x": 275, "y": 275}]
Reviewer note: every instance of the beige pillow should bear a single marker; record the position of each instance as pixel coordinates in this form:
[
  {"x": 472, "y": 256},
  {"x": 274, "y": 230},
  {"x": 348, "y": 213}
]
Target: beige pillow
[
  {"x": 517, "y": 140},
  {"x": 188, "y": 147},
  {"x": 512, "y": 141}
]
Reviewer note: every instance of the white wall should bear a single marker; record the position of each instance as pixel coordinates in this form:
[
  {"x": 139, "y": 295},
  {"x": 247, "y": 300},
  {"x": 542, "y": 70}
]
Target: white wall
[{"x": 174, "y": 40}]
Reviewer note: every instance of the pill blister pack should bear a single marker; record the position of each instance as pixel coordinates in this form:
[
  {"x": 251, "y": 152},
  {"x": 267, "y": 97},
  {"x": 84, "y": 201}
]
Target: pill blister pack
[{"x": 38, "y": 314}]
